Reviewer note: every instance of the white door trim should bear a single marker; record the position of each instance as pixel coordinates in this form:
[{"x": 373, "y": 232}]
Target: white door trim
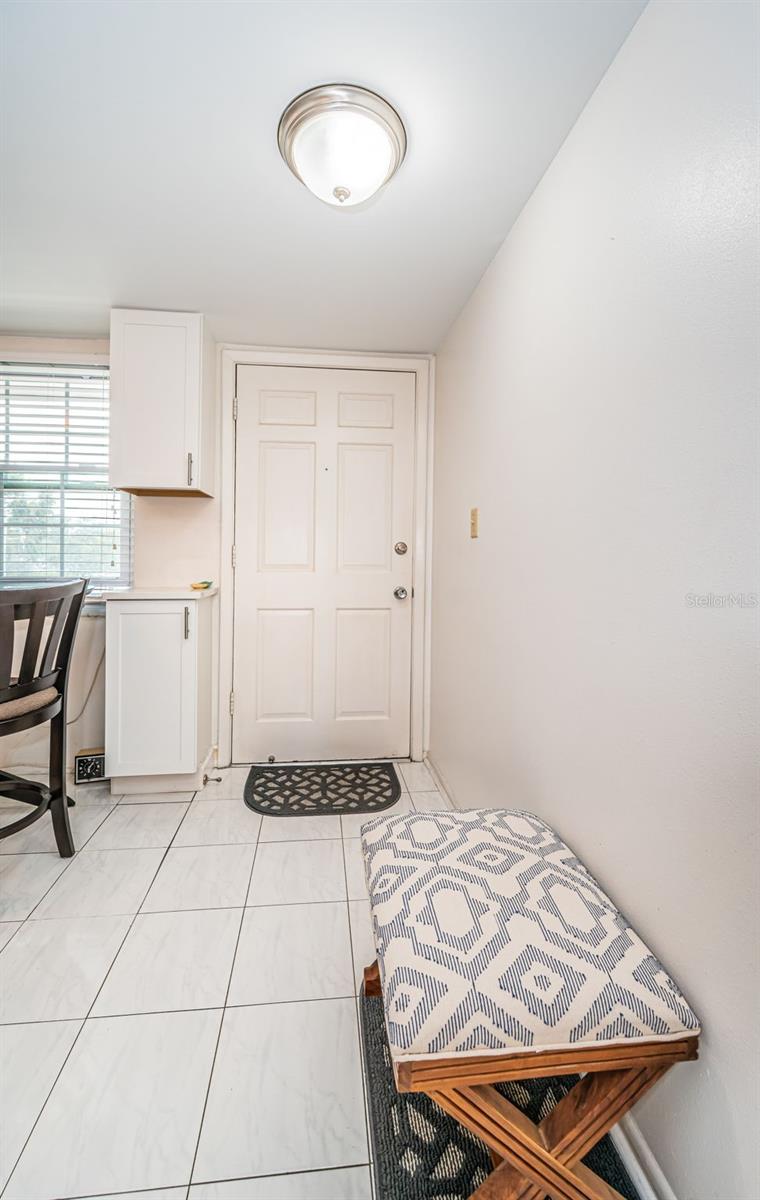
[{"x": 422, "y": 366}]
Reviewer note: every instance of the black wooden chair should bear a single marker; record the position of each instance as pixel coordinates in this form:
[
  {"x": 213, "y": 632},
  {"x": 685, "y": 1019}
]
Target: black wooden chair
[{"x": 38, "y": 694}]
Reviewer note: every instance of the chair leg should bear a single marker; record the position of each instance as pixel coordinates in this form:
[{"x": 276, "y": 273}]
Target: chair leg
[{"x": 59, "y": 809}]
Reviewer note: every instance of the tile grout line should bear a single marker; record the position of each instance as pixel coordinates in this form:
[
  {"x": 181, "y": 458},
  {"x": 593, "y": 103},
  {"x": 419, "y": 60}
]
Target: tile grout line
[
  {"x": 69, "y": 863},
  {"x": 203, "y": 908},
  {"x": 111, "y": 807},
  {"x": 132, "y": 922},
  {"x": 276, "y": 1175},
  {"x": 106, "y": 849},
  {"x": 359, "y": 1166},
  {"x": 160, "y": 911},
  {"x": 193, "y": 798},
  {"x": 21, "y": 925},
  {"x": 95, "y": 998},
  {"x": 171, "y": 846},
  {"x": 84, "y": 1021},
  {"x": 221, "y": 1023},
  {"x": 167, "y": 1012},
  {"x": 28, "y": 916}
]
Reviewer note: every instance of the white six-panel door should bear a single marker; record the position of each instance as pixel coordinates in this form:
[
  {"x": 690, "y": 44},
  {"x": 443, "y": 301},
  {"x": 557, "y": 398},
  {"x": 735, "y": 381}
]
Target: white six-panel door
[{"x": 323, "y": 496}]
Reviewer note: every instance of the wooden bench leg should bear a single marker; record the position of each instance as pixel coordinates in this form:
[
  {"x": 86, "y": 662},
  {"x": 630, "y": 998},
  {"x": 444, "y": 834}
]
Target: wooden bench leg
[
  {"x": 372, "y": 980},
  {"x": 545, "y": 1159}
]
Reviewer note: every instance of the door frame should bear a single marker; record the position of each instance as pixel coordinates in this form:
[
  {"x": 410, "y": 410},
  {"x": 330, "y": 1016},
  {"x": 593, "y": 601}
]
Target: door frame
[{"x": 423, "y": 368}]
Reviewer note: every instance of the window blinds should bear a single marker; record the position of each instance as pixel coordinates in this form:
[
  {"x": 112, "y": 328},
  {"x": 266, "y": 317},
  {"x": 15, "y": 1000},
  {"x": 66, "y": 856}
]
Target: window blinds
[{"x": 59, "y": 516}]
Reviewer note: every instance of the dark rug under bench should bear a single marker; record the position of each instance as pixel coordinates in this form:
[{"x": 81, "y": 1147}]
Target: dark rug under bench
[{"x": 420, "y": 1153}]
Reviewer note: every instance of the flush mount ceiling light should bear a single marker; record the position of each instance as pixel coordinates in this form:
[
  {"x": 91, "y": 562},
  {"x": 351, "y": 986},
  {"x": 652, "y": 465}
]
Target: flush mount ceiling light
[{"x": 342, "y": 142}]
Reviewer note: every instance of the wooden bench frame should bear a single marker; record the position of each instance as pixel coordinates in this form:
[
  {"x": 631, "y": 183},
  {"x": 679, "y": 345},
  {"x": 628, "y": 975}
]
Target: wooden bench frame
[{"x": 532, "y": 1161}]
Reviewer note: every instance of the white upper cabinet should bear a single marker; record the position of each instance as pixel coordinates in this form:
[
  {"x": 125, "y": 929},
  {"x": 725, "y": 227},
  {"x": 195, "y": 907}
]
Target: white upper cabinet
[{"x": 162, "y": 403}]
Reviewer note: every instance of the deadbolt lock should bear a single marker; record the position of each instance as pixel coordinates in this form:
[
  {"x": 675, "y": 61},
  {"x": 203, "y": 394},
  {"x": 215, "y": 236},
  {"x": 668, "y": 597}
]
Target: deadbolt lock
[{"x": 401, "y": 547}]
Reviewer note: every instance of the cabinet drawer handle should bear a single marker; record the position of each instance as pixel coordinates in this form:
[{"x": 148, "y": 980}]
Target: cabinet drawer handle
[
  {"x": 187, "y": 622},
  {"x": 189, "y": 470}
]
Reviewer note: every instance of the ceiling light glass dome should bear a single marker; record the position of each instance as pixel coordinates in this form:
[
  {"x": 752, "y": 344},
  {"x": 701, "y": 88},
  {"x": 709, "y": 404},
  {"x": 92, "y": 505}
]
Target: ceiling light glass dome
[{"x": 342, "y": 142}]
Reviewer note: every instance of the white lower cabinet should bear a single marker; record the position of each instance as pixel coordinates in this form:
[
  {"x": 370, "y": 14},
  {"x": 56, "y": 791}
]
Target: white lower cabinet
[{"x": 158, "y": 685}]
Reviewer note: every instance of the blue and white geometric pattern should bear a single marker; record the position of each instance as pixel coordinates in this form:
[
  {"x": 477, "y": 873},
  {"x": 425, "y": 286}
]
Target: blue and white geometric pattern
[{"x": 491, "y": 936}]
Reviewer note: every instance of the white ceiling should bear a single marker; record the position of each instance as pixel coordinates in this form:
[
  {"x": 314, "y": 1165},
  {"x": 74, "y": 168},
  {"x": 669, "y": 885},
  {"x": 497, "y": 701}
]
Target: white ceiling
[{"x": 141, "y": 166}]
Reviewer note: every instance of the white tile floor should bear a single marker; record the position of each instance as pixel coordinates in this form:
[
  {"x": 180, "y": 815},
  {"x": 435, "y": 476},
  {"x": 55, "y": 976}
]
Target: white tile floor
[{"x": 178, "y": 1013}]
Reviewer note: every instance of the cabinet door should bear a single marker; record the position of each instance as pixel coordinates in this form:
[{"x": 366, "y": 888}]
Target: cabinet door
[
  {"x": 151, "y": 687},
  {"x": 155, "y": 400}
]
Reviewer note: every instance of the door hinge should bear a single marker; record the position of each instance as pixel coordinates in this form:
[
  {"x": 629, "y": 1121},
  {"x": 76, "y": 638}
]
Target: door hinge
[
  {"x": 233, "y": 556},
  {"x": 234, "y": 408},
  {"x": 232, "y": 704}
]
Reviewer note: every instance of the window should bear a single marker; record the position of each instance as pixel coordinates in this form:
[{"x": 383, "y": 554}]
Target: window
[{"x": 59, "y": 516}]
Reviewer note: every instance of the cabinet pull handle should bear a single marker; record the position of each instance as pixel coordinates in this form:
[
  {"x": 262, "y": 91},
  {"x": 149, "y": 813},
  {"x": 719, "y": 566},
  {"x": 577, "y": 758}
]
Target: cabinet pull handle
[
  {"x": 187, "y": 622},
  {"x": 189, "y": 470}
]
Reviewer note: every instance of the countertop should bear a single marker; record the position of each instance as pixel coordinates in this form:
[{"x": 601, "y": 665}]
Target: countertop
[{"x": 161, "y": 593}]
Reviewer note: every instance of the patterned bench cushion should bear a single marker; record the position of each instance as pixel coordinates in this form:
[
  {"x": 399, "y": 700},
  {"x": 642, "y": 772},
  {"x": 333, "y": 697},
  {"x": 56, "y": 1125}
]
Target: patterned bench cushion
[{"x": 491, "y": 937}]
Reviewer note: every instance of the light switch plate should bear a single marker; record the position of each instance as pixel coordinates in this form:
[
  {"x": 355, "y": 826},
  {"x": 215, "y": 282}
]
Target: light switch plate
[{"x": 474, "y": 514}]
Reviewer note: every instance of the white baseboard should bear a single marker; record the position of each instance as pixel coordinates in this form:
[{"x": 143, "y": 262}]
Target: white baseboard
[
  {"x": 646, "y": 1173},
  {"x": 639, "y": 1161},
  {"x": 440, "y": 782}
]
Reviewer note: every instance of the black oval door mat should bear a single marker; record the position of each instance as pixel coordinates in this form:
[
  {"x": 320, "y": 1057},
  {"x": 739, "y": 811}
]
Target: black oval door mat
[
  {"x": 420, "y": 1153},
  {"x": 295, "y": 790}
]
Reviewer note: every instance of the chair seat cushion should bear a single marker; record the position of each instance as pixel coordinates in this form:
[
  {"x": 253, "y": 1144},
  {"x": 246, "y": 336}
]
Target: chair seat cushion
[
  {"x": 27, "y": 704},
  {"x": 492, "y": 937}
]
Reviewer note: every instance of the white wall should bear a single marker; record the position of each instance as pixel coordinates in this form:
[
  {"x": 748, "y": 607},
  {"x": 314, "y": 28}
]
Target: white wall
[
  {"x": 596, "y": 400},
  {"x": 85, "y": 708},
  {"x": 176, "y": 540}
]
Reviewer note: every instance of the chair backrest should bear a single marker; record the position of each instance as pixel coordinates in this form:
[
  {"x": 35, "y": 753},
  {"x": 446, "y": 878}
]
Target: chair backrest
[{"x": 41, "y": 666}]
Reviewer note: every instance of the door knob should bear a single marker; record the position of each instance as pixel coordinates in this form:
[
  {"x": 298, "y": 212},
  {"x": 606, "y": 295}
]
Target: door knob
[
  {"x": 401, "y": 547},
  {"x": 400, "y": 593}
]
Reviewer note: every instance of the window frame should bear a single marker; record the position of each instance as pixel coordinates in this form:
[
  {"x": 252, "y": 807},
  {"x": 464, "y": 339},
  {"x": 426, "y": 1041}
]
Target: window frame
[{"x": 65, "y": 352}]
